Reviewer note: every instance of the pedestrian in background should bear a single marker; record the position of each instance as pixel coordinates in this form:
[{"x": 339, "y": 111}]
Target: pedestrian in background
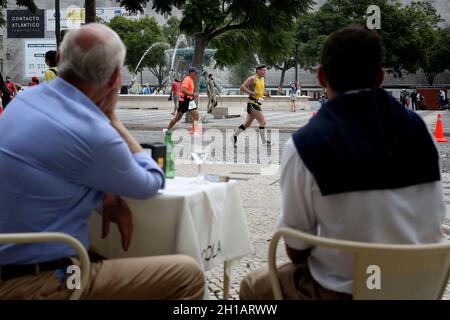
[
  {"x": 420, "y": 101},
  {"x": 413, "y": 97},
  {"x": 146, "y": 89},
  {"x": 175, "y": 94},
  {"x": 34, "y": 82},
  {"x": 404, "y": 98},
  {"x": 293, "y": 95},
  {"x": 280, "y": 91},
  {"x": 211, "y": 91},
  {"x": 11, "y": 86},
  {"x": 6, "y": 94},
  {"x": 323, "y": 98},
  {"x": 50, "y": 61}
]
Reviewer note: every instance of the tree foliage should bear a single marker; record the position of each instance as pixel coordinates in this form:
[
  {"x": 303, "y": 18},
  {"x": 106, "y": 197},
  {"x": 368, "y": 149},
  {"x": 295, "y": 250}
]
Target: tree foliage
[
  {"x": 240, "y": 71},
  {"x": 237, "y": 28},
  {"x": 209, "y": 19},
  {"x": 171, "y": 30},
  {"x": 407, "y": 32},
  {"x": 275, "y": 49},
  {"x": 29, "y": 4},
  {"x": 437, "y": 56},
  {"x": 138, "y": 36}
]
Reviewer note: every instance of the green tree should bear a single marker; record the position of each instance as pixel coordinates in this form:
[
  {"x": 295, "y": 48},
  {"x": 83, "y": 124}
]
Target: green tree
[
  {"x": 405, "y": 31},
  {"x": 29, "y": 4},
  {"x": 208, "y": 19},
  {"x": 240, "y": 71},
  {"x": 275, "y": 49},
  {"x": 437, "y": 55},
  {"x": 171, "y": 30},
  {"x": 160, "y": 69},
  {"x": 140, "y": 36},
  {"x": 283, "y": 54}
]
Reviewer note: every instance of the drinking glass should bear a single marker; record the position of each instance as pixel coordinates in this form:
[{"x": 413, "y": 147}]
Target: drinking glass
[{"x": 200, "y": 154}]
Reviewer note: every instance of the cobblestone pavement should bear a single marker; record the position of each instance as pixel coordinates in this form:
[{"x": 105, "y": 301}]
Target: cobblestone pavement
[{"x": 260, "y": 193}]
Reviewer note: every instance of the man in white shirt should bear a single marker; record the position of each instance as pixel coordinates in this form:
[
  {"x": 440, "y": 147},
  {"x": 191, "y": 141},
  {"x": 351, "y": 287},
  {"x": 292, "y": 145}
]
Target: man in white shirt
[{"x": 348, "y": 175}]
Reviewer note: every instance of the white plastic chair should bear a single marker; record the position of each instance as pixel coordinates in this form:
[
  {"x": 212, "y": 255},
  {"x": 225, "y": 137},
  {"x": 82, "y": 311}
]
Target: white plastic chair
[
  {"x": 56, "y": 237},
  {"x": 407, "y": 271}
]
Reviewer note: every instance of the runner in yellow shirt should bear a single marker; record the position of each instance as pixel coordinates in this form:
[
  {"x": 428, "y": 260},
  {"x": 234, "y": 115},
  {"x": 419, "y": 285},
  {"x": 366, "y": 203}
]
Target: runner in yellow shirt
[{"x": 255, "y": 87}]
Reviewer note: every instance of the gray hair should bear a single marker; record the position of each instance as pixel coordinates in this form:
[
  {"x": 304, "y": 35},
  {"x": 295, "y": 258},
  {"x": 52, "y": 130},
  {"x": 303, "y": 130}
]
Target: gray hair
[{"x": 93, "y": 64}]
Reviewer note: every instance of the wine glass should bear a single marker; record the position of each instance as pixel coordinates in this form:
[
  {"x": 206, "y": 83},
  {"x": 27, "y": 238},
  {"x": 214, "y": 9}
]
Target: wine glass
[{"x": 200, "y": 154}]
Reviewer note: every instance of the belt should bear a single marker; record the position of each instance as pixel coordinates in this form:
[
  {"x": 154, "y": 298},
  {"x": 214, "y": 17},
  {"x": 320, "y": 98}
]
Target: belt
[{"x": 14, "y": 271}]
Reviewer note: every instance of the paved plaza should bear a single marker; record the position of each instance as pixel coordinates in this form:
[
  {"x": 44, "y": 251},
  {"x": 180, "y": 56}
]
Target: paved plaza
[{"x": 260, "y": 193}]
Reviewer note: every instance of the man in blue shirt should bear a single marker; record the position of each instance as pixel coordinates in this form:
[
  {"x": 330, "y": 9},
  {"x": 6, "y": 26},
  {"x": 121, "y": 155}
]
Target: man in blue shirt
[{"x": 63, "y": 150}]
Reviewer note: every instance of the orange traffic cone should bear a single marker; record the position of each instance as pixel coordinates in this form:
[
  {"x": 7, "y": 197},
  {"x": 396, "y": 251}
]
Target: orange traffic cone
[{"x": 439, "y": 133}]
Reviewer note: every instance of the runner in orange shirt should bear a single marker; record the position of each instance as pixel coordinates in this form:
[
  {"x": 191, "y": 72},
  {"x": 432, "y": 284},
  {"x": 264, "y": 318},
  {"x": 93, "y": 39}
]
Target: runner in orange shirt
[{"x": 187, "y": 102}]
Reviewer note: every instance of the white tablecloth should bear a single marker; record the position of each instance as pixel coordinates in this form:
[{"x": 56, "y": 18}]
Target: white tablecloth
[{"x": 204, "y": 221}]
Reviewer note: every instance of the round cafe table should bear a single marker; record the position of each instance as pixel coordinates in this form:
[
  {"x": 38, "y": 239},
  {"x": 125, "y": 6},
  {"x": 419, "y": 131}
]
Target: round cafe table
[{"x": 205, "y": 221}]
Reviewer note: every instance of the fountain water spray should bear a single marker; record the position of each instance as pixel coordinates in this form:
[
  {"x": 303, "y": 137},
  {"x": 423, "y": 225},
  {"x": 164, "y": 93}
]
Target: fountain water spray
[
  {"x": 181, "y": 39},
  {"x": 135, "y": 89},
  {"x": 257, "y": 59}
]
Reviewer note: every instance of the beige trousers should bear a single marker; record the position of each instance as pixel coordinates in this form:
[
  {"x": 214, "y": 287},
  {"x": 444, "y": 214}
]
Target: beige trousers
[
  {"x": 158, "y": 277},
  {"x": 296, "y": 284}
]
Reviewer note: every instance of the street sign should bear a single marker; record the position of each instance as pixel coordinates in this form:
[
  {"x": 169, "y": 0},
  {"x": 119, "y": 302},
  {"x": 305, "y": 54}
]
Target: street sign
[
  {"x": 25, "y": 24},
  {"x": 73, "y": 17},
  {"x": 35, "y": 56}
]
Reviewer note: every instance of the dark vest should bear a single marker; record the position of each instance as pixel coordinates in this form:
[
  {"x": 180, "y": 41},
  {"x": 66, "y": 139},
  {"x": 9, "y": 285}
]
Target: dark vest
[{"x": 367, "y": 141}]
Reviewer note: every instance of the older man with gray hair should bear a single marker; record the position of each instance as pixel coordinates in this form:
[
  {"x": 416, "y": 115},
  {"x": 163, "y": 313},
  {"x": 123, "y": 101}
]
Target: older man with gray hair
[{"x": 63, "y": 151}]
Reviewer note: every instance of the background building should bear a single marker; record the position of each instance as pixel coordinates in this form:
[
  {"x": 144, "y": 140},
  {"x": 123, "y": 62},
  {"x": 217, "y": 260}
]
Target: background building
[{"x": 13, "y": 55}]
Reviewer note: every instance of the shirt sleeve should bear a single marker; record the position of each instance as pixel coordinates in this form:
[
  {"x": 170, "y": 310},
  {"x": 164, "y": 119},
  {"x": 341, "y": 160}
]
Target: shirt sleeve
[
  {"x": 115, "y": 169},
  {"x": 297, "y": 211}
]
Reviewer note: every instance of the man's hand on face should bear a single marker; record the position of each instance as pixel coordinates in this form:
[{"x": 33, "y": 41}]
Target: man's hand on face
[
  {"x": 117, "y": 211},
  {"x": 108, "y": 103}
]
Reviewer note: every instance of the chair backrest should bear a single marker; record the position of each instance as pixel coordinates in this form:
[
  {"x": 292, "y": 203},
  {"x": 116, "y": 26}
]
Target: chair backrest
[
  {"x": 381, "y": 271},
  {"x": 56, "y": 237}
]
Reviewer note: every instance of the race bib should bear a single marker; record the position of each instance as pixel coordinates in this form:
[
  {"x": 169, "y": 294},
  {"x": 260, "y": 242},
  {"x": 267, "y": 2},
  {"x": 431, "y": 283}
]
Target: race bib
[
  {"x": 260, "y": 100},
  {"x": 192, "y": 105}
]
